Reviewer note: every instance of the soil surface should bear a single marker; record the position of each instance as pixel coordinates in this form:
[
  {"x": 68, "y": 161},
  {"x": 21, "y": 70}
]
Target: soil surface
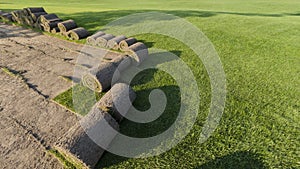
[{"x": 30, "y": 121}]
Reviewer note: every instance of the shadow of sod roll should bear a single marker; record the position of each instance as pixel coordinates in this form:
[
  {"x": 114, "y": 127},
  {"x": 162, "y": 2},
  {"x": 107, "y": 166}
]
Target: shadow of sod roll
[{"x": 107, "y": 73}]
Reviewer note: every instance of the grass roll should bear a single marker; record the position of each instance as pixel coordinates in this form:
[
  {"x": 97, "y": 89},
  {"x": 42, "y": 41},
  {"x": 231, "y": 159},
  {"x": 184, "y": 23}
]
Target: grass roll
[
  {"x": 138, "y": 51},
  {"x": 55, "y": 30},
  {"x": 49, "y": 26},
  {"x": 124, "y": 44},
  {"x": 91, "y": 40},
  {"x": 49, "y": 18},
  {"x": 102, "y": 40},
  {"x": 114, "y": 42},
  {"x": 78, "y": 33},
  {"x": 65, "y": 26},
  {"x": 114, "y": 100},
  {"x": 29, "y": 11},
  {"x": 35, "y": 16},
  {"x": 103, "y": 76}
]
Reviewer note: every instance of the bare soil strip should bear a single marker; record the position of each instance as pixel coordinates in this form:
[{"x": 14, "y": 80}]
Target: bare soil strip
[{"x": 30, "y": 122}]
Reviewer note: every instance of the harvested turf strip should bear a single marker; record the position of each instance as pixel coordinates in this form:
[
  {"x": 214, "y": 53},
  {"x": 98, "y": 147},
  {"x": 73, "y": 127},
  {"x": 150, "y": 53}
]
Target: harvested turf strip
[
  {"x": 7, "y": 17},
  {"x": 36, "y": 15},
  {"x": 102, "y": 40},
  {"x": 55, "y": 30},
  {"x": 29, "y": 11},
  {"x": 78, "y": 33},
  {"x": 138, "y": 51},
  {"x": 101, "y": 78},
  {"x": 49, "y": 18},
  {"x": 124, "y": 44},
  {"x": 48, "y": 26},
  {"x": 115, "y": 96},
  {"x": 65, "y": 26},
  {"x": 91, "y": 40},
  {"x": 114, "y": 42}
]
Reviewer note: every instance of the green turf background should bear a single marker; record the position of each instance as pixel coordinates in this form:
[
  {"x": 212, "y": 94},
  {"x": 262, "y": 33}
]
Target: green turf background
[{"x": 258, "y": 43}]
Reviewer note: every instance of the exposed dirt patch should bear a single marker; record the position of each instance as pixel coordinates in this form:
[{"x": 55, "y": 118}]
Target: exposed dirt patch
[{"x": 30, "y": 122}]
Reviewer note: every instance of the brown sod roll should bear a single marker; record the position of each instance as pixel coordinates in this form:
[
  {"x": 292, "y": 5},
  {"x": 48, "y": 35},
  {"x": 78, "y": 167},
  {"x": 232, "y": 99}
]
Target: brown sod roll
[
  {"x": 65, "y": 34},
  {"x": 116, "y": 96},
  {"x": 122, "y": 62},
  {"x": 78, "y": 145},
  {"x": 38, "y": 24},
  {"x": 7, "y": 17},
  {"x": 35, "y": 16},
  {"x": 17, "y": 16},
  {"x": 55, "y": 30},
  {"x": 49, "y": 26},
  {"x": 49, "y": 18},
  {"x": 138, "y": 51},
  {"x": 29, "y": 11},
  {"x": 102, "y": 40},
  {"x": 114, "y": 42},
  {"x": 65, "y": 26},
  {"x": 124, "y": 44},
  {"x": 78, "y": 33},
  {"x": 101, "y": 77},
  {"x": 28, "y": 21},
  {"x": 91, "y": 40}
]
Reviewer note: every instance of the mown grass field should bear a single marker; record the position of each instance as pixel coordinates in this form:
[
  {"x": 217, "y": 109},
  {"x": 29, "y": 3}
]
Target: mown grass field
[{"x": 258, "y": 43}]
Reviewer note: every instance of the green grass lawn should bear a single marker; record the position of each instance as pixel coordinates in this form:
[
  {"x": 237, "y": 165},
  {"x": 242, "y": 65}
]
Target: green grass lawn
[{"x": 258, "y": 43}]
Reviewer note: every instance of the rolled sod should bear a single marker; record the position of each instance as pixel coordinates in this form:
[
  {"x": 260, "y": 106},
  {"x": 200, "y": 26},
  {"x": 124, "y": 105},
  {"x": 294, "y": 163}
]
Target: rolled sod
[
  {"x": 49, "y": 18},
  {"x": 100, "y": 78},
  {"x": 91, "y": 40},
  {"x": 78, "y": 33},
  {"x": 124, "y": 44},
  {"x": 65, "y": 26},
  {"x": 29, "y": 11},
  {"x": 138, "y": 51},
  {"x": 35, "y": 16},
  {"x": 48, "y": 26},
  {"x": 103, "y": 76},
  {"x": 114, "y": 100},
  {"x": 38, "y": 26},
  {"x": 29, "y": 21},
  {"x": 55, "y": 30},
  {"x": 114, "y": 42},
  {"x": 18, "y": 16},
  {"x": 77, "y": 143},
  {"x": 7, "y": 17},
  {"x": 80, "y": 142},
  {"x": 102, "y": 40}
]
